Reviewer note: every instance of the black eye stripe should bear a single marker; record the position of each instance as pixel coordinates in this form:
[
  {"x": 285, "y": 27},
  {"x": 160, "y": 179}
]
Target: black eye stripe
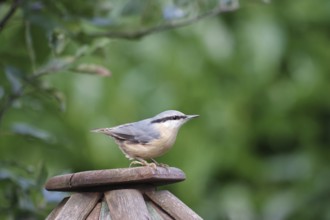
[{"x": 176, "y": 117}]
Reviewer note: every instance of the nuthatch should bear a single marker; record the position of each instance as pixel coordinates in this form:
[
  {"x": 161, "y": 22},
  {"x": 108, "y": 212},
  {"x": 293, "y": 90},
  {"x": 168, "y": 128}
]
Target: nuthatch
[{"x": 149, "y": 138}]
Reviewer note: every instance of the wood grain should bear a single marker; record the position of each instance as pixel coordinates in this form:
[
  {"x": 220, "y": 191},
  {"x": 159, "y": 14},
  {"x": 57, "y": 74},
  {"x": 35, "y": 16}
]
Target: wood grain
[
  {"x": 99, "y": 180},
  {"x": 57, "y": 209},
  {"x": 78, "y": 206},
  {"x": 172, "y": 205},
  {"x": 156, "y": 212},
  {"x": 127, "y": 204},
  {"x": 95, "y": 213}
]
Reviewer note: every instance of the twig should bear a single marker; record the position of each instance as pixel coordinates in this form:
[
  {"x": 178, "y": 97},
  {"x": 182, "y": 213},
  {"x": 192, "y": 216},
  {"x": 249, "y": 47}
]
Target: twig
[
  {"x": 10, "y": 13},
  {"x": 168, "y": 26}
]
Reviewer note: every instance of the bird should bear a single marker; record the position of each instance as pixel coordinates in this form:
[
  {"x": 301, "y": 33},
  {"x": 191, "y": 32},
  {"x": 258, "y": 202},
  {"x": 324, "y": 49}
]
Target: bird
[{"x": 149, "y": 138}]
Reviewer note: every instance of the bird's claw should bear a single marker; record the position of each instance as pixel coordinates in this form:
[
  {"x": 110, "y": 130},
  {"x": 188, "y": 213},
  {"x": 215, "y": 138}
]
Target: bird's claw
[
  {"x": 160, "y": 164},
  {"x": 154, "y": 164},
  {"x": 136, "y": 162}
]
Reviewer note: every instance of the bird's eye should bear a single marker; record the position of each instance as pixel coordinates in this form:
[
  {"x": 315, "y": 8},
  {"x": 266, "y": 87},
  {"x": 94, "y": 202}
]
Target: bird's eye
[{"x": 175, "y": 117}]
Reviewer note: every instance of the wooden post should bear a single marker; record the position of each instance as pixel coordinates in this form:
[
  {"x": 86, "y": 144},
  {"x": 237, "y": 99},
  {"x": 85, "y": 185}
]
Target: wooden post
[{"x": 120, "y": 194}]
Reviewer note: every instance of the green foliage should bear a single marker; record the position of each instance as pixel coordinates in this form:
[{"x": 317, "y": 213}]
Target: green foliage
[
  {"x": 259, "y": 78},
  {"x": 21, "y": 196}
]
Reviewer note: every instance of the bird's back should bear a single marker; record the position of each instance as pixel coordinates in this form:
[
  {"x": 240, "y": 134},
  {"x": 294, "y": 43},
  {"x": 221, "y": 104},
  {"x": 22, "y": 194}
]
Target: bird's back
[{"x": 140, "y": 132}]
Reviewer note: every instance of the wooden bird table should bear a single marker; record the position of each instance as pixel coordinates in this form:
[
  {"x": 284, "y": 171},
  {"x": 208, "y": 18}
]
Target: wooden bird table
[{"x": 120, "y": 194}]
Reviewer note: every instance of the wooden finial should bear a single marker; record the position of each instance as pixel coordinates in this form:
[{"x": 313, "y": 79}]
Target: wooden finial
[{"x": 120, "y": 194}]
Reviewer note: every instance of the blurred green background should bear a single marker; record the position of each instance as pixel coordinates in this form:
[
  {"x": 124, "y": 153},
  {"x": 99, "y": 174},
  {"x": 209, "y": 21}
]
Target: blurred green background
[{"x": 258, "y": 76}]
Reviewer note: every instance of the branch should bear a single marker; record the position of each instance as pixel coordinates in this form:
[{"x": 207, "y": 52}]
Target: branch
[
  {"x": 167, "y": 26},
  {"x": 9, "y": 14}
]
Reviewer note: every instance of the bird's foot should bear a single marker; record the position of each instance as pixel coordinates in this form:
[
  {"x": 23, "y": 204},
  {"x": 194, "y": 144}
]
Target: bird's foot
[
  {"x": 143, "y": 163},
  {"x": 137, "y": 162},
  {"x": 160, "y": 164},
  {"x": 154, "y": 164}
]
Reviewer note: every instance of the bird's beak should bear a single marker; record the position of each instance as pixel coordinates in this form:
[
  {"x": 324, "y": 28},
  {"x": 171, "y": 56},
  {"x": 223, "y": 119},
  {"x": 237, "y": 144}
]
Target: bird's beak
[
  {"x": 192, "y": 116},
  {"x": 99, "y": 130}
]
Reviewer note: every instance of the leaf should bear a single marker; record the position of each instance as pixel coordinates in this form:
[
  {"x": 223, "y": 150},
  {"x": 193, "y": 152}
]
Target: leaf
[
  {"x": 42, "y": 175},
  {"x": 134, "y": 7},
  {"x": 4, "y": 174},
  {"x": 92, "y": 69},
  {"x": 87, "y": 50},
  {"x": 100, "y": 43},
  {"x": 58, "y": 40},
  {"x": 14, "y": 77},
  {"x": 60, "y": 99},
  {"x": 229, "y": 5},
  {"x": 30, "y": 131},
  {"x": 171, "y": 12},
  {"x": 55, "y": 94},
  {"x": 2, "y": 92},
  {"x": 82, "y": 51}
]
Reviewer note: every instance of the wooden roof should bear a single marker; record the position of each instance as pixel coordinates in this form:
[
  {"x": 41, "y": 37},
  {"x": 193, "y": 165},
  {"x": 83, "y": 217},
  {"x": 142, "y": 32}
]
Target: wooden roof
[{"x": 120, "y": 194}]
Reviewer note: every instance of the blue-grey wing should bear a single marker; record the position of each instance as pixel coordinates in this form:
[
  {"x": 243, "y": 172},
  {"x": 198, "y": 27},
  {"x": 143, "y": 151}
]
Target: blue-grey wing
[{"x": 138, "y": 132}]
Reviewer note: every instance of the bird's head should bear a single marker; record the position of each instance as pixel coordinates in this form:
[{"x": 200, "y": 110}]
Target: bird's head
[{"x": 171, "y": 119}]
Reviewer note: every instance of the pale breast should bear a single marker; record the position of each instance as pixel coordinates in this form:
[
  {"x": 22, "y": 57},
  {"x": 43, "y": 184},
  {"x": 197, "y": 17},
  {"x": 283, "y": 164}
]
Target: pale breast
[{"x": 153, "y": 149}]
